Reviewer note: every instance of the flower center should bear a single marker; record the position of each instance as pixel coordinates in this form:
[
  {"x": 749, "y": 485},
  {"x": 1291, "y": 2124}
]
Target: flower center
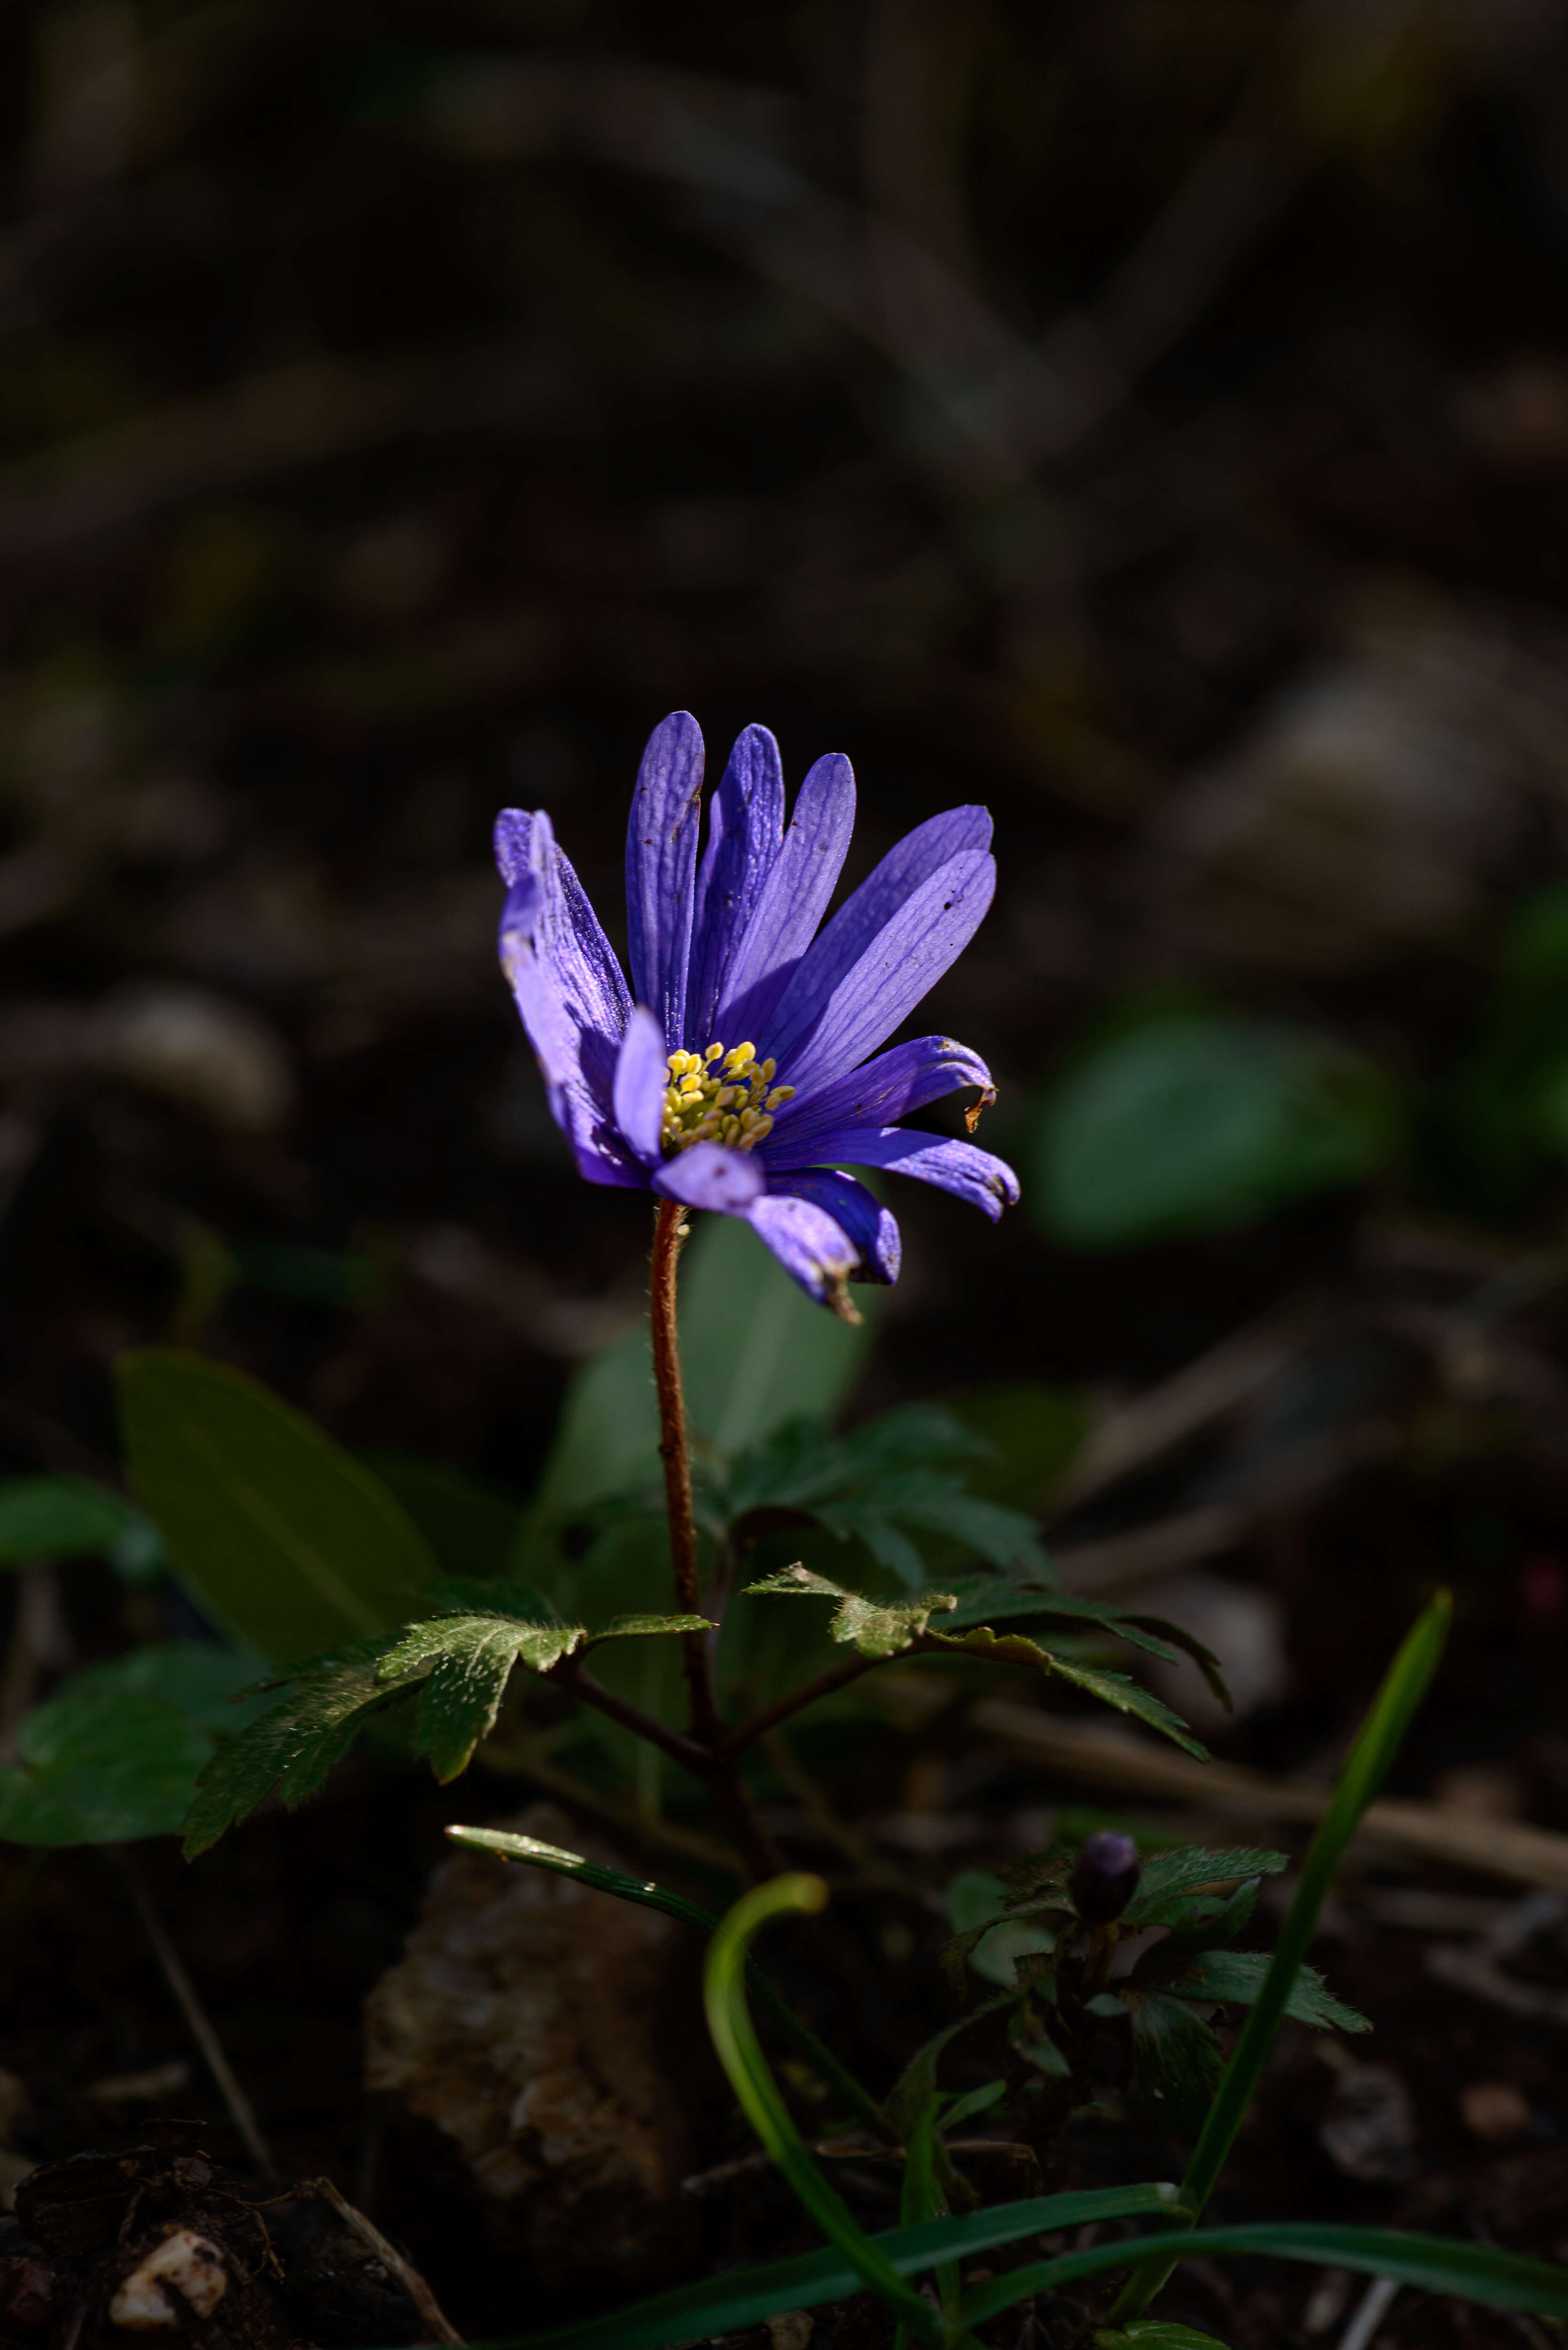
[{"x": 719, "y": 1096}]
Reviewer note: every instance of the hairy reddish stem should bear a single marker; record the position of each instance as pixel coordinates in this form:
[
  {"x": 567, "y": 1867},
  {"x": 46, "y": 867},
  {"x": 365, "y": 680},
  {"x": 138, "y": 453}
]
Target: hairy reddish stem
[
  {"x": 668, "y": 1232},
  {"x": 582, "y": 1684}
]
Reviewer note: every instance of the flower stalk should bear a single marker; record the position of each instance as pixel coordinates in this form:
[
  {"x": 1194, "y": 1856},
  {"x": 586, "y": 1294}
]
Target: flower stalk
[
  {"x": 708, "y": 1749},
  {"x": 669, "y": 1230}
]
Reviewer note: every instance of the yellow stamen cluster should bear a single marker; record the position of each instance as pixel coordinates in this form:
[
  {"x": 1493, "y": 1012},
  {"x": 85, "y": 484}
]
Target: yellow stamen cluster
[{"x": 719, "y": 1096}]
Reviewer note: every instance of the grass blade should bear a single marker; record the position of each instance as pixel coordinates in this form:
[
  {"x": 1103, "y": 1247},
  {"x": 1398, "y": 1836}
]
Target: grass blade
[
  {"x": 723, "y": 2304},
  {"x": 1434, "y": 2263},
  {"x": 730, "y": 2023},
  {"x": 1381, "y": 1735}
]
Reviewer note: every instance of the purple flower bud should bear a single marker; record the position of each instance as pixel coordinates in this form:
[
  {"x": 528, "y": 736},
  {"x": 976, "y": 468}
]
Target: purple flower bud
[{"x": 1104, "y": 1875}]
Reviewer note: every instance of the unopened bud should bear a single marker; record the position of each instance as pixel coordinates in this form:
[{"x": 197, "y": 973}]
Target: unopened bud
[{"x": 1104, "y": 1875}]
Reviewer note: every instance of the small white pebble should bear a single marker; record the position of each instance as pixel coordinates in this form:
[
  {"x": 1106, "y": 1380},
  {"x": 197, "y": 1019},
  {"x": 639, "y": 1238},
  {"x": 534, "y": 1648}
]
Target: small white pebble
[{"x": 193, "y": 2264}]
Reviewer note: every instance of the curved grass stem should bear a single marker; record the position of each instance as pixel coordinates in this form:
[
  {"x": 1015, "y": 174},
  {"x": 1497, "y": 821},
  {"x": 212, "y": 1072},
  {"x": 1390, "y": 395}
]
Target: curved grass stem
[{"x": 730, "y": 2022}]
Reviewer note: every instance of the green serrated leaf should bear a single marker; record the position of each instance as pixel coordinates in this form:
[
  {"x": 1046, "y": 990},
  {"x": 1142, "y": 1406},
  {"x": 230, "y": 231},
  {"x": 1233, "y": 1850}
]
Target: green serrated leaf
[
  {"x": 1019, "y": 1598},
  {"x": 1236, "y": 1976},
  {"x": 285, "y": 1539},
  {"x": 1176, "y": 2061},
  {"x": 293, "y": 1745},
  {"x": 1169, "y": 1877},
  {"x": 1129, "y": 1697},
  {"x": 876, "y": 1627},
  {"x": 642, "y": 1627},
  {"x": 466, "y": 1662},
  {"x": 1208, "y": 1925}
]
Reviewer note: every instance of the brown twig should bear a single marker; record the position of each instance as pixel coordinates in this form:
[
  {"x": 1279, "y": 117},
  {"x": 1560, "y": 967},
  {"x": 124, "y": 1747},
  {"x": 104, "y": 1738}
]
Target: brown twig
[
  {"x": 438, "y": 2324},
  {"x": 1113, "y": 1758},
  {"x": 757, "y": 1725},
  {"x": 685, "y": 1751},
  {"x": 241, "y": 2111}
]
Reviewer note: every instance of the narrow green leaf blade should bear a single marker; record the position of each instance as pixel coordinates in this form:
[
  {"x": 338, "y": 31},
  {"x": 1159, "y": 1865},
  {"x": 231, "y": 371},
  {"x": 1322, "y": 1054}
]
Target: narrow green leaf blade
[
  {"x": 725, "y": 2303},
  {"x": 1381, "y": 1735},
  {"x": 640, "y": 1890},
  {"x": 1432, "y": 2263},
  {"x": 285, "y": 1539}
]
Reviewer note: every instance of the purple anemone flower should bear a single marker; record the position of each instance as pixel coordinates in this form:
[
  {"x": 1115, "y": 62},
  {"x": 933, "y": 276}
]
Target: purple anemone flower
[{"x": 734, "y": 1073}]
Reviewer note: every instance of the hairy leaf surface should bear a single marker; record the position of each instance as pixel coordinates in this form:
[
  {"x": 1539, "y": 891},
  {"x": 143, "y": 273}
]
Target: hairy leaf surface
[
  {"x": 1168, "y": 1878},
  {"x": 876, "y": 1627},
  {"x": 1238, "y": 1976}
]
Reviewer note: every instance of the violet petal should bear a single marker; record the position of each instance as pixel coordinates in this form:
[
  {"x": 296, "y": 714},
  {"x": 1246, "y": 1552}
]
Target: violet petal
[
  {"x": 511, "y": 837},
  {"x": 790, "y": 903},
  {"x": 970, "y": 1174},
  {"x": 641, "y": 1076},
  {"x": 882, "y": 1090},
  {"x": 856, "y": 1212},
  {"x": 858, "y": 920},
  {"x": 812, "y": 1247},
  {"x": 929, "y": 931},
  {"x": 708, "y": 1176},
  {"x": 569, "y": 990},
  {"x": 745, "y": 825},
  {"x": 661, "y": 863}
]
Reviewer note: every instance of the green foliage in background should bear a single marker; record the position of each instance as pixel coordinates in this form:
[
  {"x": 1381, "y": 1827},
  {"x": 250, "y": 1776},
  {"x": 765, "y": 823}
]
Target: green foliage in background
[{"x": 1194, "y": 1121}]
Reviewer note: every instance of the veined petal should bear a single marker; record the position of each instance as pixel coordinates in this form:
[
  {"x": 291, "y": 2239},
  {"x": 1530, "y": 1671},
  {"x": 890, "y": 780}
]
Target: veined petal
[
  {"x": 746, "y": 824},
  {"x": 569, "y": 990},
  {"x": 812, "y": 1246},
  {"x": 856, "y": 1212},
  {"x": 878, "y": 1092},
  {"x": 858, "y": 920},
  {"x": 929, "y": 931},
  {"x": 511, "y": 835},
  {"x": 661, "y": 863},
  {"x": 970, "y": 1174},
  {"x": 790, "y": 902},
  {"x": 710, "y": 1176},
  {"x": 641, "y": 1075}
]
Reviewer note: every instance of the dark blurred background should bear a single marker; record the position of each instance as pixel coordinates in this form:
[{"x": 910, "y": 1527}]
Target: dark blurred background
[{"x": 1147, "y": 417}]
